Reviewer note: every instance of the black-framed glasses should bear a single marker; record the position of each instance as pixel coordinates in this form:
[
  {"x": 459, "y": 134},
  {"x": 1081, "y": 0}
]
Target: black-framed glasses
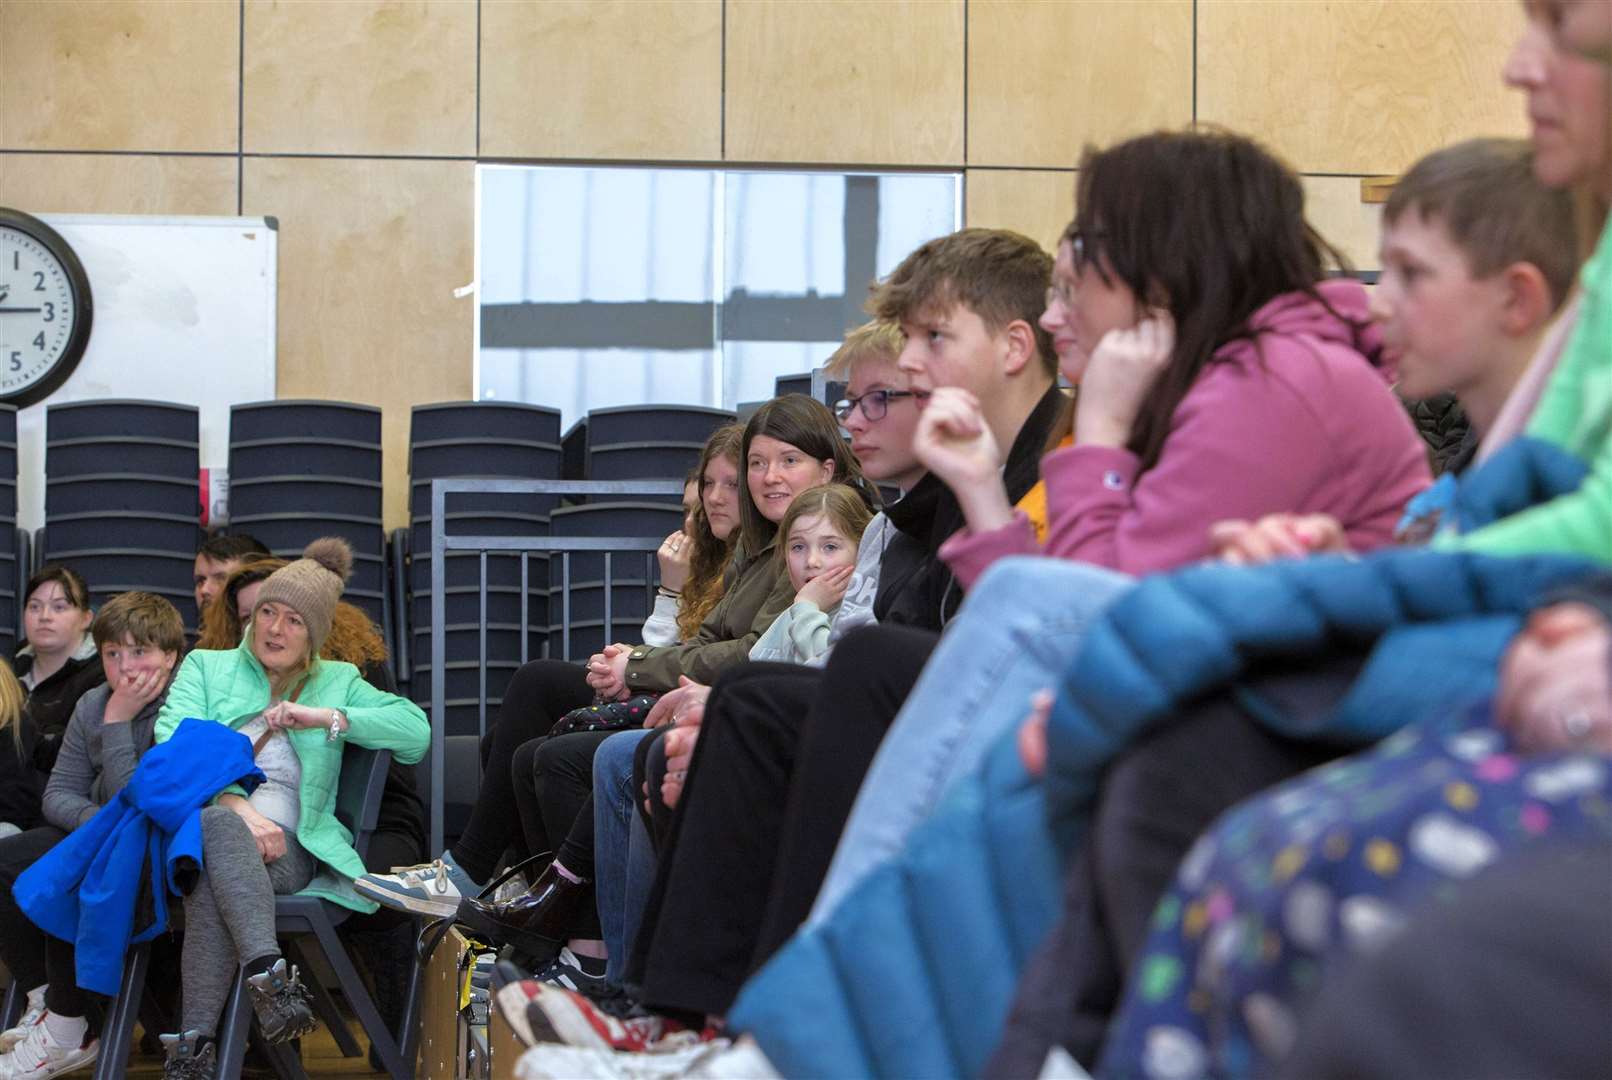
[{"x": 875, "y": 403}]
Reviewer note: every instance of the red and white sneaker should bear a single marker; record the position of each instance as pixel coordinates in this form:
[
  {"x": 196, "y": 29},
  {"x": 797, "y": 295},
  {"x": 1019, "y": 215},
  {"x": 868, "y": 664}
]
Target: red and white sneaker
[
  {"x": 38, "y": 1056},
  {"x": 539, "y": 1012}
]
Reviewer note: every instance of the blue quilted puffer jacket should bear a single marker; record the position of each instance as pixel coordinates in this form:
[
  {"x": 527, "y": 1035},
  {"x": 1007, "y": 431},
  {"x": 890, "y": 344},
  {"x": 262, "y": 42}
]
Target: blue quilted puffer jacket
[{"x": 914, "y": 973}]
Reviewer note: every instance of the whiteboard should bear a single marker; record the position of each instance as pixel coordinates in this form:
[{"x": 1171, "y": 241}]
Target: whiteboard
[{"x": 184, "y": 311}]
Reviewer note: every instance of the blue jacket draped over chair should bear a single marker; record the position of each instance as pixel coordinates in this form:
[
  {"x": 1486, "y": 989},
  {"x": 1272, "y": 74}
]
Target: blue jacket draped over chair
[{"x": 87, "y": 888}]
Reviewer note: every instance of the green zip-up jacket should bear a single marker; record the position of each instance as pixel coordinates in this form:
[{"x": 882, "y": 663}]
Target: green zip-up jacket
[{"x": 230, "y": 686}]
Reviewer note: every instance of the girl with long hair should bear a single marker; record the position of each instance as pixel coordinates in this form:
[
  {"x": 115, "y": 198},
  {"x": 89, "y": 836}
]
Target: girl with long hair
[{"x": 694, "y": 558}]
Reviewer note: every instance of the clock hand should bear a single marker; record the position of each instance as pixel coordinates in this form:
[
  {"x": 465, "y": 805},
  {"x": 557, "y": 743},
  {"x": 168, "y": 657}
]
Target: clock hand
[{"x": 19, "y": 310}]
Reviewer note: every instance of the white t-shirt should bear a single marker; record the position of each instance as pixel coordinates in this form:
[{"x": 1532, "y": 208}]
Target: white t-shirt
[{"x": 279, "y": 798}]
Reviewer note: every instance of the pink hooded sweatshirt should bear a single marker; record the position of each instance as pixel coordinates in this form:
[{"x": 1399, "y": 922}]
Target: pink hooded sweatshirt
[{"x": 1302, "y": 422}]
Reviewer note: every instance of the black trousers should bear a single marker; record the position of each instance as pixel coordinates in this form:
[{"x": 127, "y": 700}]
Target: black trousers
[
  {"x": 31, "y": 955},
  {"x": 776, "y": 770},
  {"x": 540, "y": 693},
  {"x": 1156, "y": 798},
  {"x": 553, "y": 780}
]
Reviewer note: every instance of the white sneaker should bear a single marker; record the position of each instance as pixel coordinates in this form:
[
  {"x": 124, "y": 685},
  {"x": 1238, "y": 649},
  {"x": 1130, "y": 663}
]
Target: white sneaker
[
  {"x": 37, "y": 1056},
  {"x": 432, "y": 888},
  {"x": 36, "y": 1012}
]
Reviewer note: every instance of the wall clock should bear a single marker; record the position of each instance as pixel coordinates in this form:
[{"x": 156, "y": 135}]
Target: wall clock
[{"x": 45, "y": 309}]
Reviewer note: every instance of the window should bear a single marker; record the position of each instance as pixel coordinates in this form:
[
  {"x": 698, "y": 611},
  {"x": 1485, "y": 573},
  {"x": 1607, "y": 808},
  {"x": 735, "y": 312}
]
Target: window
[{"x": 618, "y": 286}]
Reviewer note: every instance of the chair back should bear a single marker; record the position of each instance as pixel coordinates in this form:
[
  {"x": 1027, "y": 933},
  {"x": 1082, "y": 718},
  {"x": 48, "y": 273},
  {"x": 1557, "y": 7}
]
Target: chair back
[{"x": 358, "y": 798}]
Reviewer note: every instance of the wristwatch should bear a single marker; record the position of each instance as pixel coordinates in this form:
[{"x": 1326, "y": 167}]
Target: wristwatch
[{"x": 338, "y": 725}]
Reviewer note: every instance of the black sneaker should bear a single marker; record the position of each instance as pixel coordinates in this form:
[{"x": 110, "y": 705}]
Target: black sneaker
[
  {"x": 615, "y": 1001},
  {"x": 188, "y": 1056},
  {"x": 567, "y": 970},
  {"x": 281, "y": 1002}
]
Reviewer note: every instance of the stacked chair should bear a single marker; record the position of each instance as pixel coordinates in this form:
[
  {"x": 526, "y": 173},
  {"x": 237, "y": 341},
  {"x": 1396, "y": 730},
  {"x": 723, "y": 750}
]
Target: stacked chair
[
  {"x": 14, "y": 543},
  {"x": 574, "y": 451},
  {"x": 634, "y": 442},
  {"x": 793, "y": 384},
  {"x": 650, "y": 442},
  {"x": 300, "y": 470},
  {"x": 580, "y": 581},
  {"x": 489, "y": 440},
  {"x": 121, "y": 496}
]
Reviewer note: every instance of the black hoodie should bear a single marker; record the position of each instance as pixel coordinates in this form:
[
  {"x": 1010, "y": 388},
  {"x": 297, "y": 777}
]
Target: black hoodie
[{"x": 916, "y": 587}]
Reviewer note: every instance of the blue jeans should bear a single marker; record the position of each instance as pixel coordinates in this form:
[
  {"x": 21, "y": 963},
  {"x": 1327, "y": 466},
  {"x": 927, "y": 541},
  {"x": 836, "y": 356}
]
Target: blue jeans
[
  {"x": 623, "y": 857},
  {"x": 1017, "y": 633}
]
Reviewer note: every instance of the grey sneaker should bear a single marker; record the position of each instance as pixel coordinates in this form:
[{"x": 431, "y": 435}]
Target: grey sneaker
[
  {"x": 281, "y": 1002},
  {"x": 432, "y": 888},
  {"x": 187, "y": 1057}
]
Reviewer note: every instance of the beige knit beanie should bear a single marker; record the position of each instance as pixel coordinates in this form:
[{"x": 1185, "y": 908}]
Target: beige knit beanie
[{"x": 311, "y": 586}]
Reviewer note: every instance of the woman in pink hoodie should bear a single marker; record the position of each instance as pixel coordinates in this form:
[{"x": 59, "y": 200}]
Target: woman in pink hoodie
[{"x": 1219, "y": 375}]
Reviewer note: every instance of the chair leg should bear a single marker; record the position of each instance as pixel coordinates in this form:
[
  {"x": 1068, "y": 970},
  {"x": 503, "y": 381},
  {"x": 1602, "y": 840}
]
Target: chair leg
[
  {"x": 117, "y": 1034},
  {"x": 323, "y": 1003},
  {"x": 358, "y": 996},
  {"x": 155, "y": 1020},
  {"x": 16, "y": 1000},
  {"x": 409, "y": 1037},
  {"x": 234, "y": 1027}
]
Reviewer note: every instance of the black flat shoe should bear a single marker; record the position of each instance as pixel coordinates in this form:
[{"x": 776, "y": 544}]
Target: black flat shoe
[{"x": 537, "y": 922}]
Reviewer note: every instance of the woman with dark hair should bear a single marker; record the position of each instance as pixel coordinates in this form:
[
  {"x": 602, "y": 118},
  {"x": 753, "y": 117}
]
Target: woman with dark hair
[
  {"x": 790, "y": 444},
  {"x": 1217, "y": 370},
  {"x": 59, "y": 662}
]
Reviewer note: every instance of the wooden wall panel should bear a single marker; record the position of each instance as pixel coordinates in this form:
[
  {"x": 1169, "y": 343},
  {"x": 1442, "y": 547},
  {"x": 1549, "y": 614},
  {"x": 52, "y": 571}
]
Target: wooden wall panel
[
  {"x": 118, "y": 75},
  {"x": 1045, "y": 78},
  {"x": 370, "y": 252},
  {"x": 602, "y": 79},
  {"x": 1366, "y": 86},
  {"x": 1038, "y": 204},
  {"x": 360, "y": 77},
  {"x": 1332, "y": 204},
  {"x": 875, "y": 82},
  {"x": 117, "y": 184}
]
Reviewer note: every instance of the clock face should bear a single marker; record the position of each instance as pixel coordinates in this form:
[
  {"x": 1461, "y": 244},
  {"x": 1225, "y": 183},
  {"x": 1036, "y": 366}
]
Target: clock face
[{"x": 44, "y": 309}]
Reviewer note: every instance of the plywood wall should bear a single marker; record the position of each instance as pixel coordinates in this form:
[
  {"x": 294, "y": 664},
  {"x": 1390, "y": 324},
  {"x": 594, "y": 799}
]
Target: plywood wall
[{"x": 358, "y": 122}]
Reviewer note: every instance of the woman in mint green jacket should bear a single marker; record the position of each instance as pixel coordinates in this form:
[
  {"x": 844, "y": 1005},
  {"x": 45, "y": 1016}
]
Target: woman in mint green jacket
[{"x": 299, "y": 712}]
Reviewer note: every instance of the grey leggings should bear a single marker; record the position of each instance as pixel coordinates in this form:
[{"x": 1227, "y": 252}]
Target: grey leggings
[{"x": 229, "y": 916}]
